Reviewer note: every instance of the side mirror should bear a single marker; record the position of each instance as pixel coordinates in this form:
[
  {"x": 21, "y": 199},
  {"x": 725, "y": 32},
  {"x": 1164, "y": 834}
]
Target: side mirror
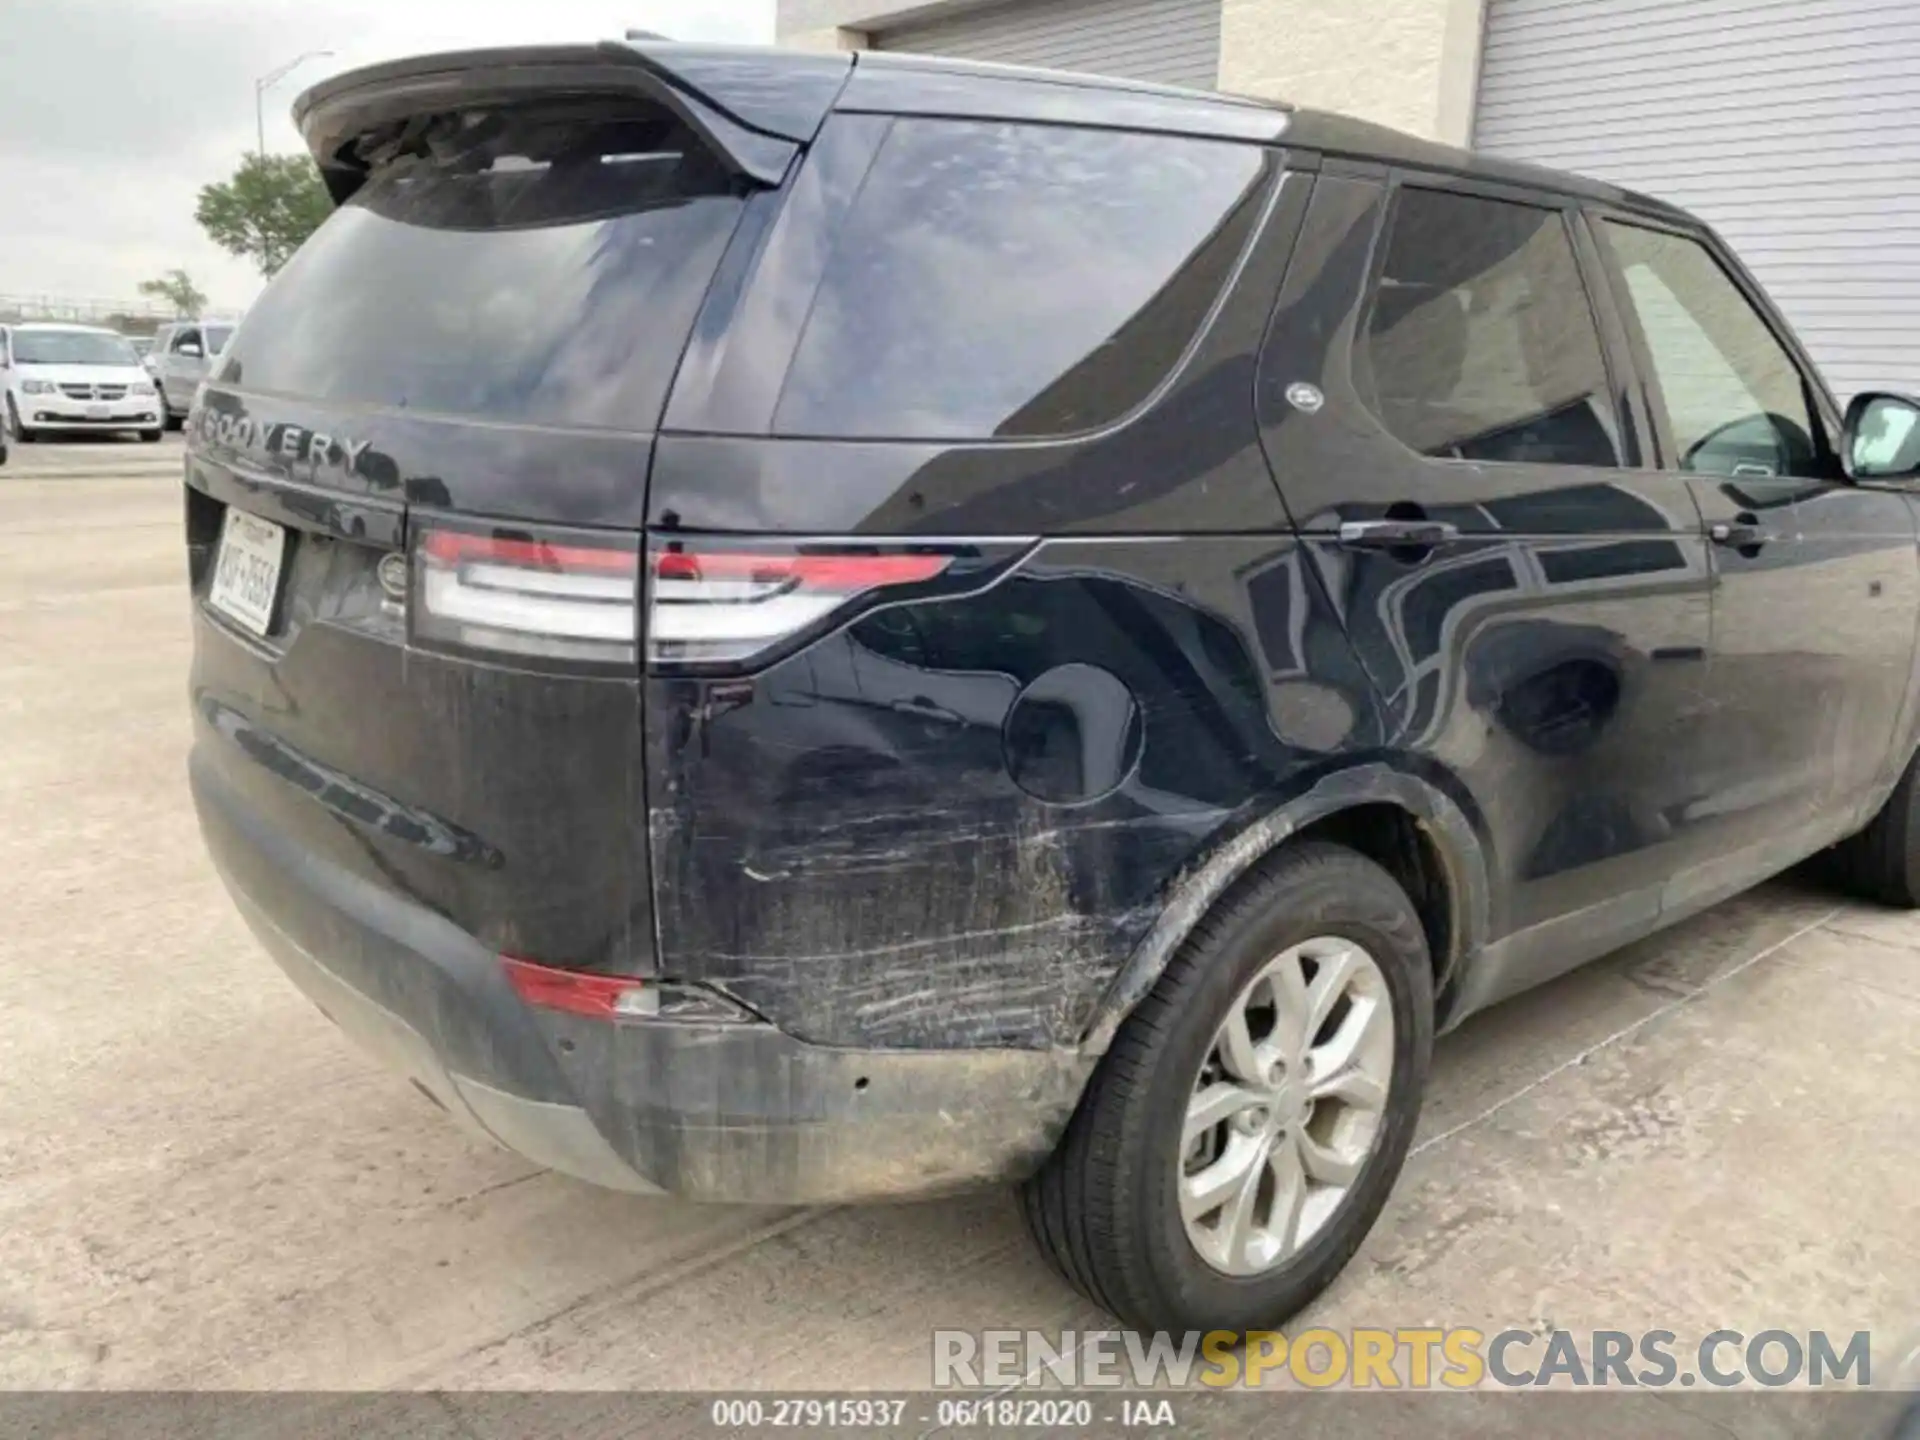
[
  {"x": 190, "y": 350},
  {"x": 1882, "y": 440}
]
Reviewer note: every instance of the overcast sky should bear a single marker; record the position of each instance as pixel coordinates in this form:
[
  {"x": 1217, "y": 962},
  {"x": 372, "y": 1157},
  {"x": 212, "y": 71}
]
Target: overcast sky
[{"x": 113, "y": 113}]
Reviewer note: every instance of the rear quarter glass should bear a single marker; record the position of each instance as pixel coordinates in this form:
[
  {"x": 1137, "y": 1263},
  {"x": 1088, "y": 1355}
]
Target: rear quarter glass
[
  {"x": 1014, "y": 280},
  {"x": 539, "y": 264}
]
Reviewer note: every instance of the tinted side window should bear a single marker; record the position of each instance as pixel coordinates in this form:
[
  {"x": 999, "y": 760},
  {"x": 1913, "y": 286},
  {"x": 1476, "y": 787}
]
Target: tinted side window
[
  {"x": 1480, "y": 343},
  {"x": 184, "y": 339},
  {"x": 1016, "y": 280},
  {"x": 1735, "y": 401}
]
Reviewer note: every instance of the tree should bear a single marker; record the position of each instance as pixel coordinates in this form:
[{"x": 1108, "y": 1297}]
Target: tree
[
  {"x": 176, "y": 287},
  {"x": 271, "y": 205}
]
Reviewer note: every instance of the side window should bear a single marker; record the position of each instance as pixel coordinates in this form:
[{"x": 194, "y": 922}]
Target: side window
[
  {"x": 183, "y": 339},
  {"x": 1017, "y": 280},
  {"x": 1480, "y": 343},
  {"x": 1736, "y": 403}
]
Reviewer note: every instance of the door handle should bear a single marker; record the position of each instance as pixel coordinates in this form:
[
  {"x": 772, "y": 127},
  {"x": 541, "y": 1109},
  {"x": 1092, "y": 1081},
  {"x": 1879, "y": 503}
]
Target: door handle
[
  {"x": 1743, "y": 532},
  {"x": 1396, "y": 534},
  {"x": 921, "y": 708}
]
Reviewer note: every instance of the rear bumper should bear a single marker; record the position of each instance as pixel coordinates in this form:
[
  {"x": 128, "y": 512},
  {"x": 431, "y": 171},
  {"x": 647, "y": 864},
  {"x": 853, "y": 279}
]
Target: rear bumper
[{"x": 705, "y": 1112}]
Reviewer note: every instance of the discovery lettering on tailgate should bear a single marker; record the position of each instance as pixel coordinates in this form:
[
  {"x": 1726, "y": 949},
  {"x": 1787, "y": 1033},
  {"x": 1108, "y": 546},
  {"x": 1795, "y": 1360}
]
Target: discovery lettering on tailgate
[{"x": 278, "y": 444}]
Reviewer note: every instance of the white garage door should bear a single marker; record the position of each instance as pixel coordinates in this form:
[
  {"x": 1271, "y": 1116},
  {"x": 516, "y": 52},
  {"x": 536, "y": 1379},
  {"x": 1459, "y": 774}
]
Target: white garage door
[
  {"x": 1786, "y": 124},
  {"x": 1172, "y": 42}
]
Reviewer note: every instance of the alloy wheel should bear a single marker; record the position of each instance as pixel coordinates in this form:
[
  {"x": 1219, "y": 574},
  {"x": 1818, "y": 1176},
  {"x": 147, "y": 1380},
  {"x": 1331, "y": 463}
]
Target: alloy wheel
[{"x": 1287, "y": 1107}]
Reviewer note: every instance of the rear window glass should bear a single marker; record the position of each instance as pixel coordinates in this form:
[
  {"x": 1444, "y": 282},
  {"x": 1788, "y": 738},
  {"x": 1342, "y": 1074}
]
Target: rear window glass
[
  {"x": 1016, "y": 280},
  {"x": 541, "y": 265}
]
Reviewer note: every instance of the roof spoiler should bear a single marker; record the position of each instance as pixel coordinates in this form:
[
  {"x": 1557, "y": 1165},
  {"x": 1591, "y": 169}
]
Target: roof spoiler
[{"x": 754, "y": 108}]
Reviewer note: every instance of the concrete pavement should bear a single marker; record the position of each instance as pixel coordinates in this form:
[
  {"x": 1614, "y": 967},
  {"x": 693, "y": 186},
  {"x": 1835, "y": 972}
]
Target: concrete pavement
[
  {"x": 205, "y": 1186},
  {"x": 95, "y": 457}
]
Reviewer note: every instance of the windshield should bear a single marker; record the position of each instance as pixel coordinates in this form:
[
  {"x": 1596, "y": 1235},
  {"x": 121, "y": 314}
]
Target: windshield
[
  {"x": 71, "y": 347},
  {"x": 217, "y": 337}
]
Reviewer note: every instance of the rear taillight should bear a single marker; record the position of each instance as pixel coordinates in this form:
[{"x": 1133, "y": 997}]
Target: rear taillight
[
  {"x": 549, "y": 596},
  {"x": 575, "y": 596},
  {"x": 711, "y": 604}
]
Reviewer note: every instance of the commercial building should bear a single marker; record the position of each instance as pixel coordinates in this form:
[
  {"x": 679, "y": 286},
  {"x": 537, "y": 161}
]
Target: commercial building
[{"x": 1783, "y": 122}]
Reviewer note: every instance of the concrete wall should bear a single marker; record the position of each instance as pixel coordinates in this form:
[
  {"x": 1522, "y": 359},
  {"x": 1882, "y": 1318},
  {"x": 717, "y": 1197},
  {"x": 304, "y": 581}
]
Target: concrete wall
[
  {"x": 829, "y": 37},
  {"x": 1413, "y": 64}
]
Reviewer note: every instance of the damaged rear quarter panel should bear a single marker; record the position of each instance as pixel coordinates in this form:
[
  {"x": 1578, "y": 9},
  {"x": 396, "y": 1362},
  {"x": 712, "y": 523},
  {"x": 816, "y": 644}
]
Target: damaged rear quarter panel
[{"x": 854, "y": 842}]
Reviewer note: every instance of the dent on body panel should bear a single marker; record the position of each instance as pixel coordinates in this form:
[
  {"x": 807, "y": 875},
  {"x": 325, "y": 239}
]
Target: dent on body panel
[{"x": 951, "y": 822}]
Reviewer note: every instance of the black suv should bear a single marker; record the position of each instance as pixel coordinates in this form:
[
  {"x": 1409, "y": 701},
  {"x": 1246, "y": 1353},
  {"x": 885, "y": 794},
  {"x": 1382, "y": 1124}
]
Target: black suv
[{"x": 780, "y": 627}]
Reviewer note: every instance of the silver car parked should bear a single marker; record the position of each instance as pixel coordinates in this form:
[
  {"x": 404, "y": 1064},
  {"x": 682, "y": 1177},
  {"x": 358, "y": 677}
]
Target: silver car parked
[{"x": 182, "y": 355}]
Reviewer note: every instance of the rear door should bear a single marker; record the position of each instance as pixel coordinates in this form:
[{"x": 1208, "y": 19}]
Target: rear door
[
  {"x": 1816, "y": 582},
  {"x": 1465, "y": 462}
]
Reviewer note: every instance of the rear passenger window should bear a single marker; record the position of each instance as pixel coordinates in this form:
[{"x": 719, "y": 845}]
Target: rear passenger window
[
  {"x": 1480, "y": 343},
  {"x": 1017, "y": 280}
]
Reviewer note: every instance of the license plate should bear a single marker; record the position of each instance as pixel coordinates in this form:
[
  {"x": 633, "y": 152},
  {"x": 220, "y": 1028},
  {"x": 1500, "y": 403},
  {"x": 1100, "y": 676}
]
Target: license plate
[
  {"x": 98, "y": 412},
  {"x": 246, "y": 577}
]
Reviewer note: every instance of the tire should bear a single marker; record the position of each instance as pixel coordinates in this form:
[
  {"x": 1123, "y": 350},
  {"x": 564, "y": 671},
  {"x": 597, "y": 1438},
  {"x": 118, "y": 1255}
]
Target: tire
[
  {"x": 21, "y": 434},
  {"x": 1882, "y": 862},
  {"x": 1105, "y": 1209},
  {"x": 152, "y": 437}
]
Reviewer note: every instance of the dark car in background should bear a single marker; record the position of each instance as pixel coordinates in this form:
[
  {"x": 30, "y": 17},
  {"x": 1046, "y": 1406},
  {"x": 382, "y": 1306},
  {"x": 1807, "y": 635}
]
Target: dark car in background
[{"x": 788, "y": 628}]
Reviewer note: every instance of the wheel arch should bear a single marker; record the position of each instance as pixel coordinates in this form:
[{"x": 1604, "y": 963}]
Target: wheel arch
[{"x": 1404, "y": 821}]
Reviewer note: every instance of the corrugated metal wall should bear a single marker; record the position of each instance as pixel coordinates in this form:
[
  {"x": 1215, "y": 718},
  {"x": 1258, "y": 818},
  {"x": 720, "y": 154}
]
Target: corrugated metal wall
[
  {"x": 1786, "y": 124},
  {"x": 1172, "y": 42}
]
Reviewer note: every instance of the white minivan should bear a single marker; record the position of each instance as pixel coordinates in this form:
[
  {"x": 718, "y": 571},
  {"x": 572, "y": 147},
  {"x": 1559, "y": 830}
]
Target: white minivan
[{"x": 68, "y": 378}]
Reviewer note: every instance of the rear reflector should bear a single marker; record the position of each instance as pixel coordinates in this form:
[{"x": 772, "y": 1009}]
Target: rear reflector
[
  {"x": 522, "y": 594},
  {"x": 618, "y": 997},
  {"x": 726, "y": 605},
  {"x": 596, "y": 996}
]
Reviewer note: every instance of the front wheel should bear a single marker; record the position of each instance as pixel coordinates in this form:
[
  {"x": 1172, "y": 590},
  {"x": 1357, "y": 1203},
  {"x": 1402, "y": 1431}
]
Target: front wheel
[
  {"x": 1882, "y": 862},
  {"x": 1241, "y": 1135},
  {"x": 151, "y": 437},
  {"x": 14, "y": 428}
]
